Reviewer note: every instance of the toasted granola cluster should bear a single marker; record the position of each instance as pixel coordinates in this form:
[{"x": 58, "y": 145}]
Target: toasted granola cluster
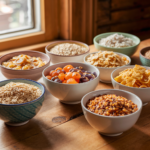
[{"x": 111, "y": 105}]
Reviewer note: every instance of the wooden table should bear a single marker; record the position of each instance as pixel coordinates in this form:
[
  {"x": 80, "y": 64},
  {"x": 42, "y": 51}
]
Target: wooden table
[{"x": 63, "y": 127}]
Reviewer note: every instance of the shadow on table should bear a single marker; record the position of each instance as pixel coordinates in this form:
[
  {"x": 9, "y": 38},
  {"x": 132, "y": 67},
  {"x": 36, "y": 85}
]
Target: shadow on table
[
  {"x": 30, "y": 136},
  {"x": 133, "y": 139}
]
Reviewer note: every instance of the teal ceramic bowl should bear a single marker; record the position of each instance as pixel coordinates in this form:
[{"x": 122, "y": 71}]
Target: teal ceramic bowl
[
  {"x": 143, "y": 59},
  {"x": 126, "y": 50},
  {"x": 19, "y": 114}
]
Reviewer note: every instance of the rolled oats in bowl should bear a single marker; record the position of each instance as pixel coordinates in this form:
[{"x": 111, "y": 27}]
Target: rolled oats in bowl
[
  {"x": 116, "y": 41},
  {"x": 17, "y": 93},
  {"x": 68, "y": 49}
]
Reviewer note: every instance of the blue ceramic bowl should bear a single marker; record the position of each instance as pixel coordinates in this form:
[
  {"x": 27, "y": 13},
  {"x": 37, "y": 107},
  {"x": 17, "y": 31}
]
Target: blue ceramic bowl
[
  {"x": 19, "y": 114},
  {"x": 145, "y": 61}
]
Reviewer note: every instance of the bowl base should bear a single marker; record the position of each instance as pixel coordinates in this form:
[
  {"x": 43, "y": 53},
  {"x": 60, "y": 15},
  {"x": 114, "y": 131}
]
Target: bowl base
[
  {"x": 111, "y": 134},
  {"x": 70, "y": 103},
  {"x": 17, "y": 124},
  {"x": 144, "y": 104},
  {"x": 104, "y": 81}
]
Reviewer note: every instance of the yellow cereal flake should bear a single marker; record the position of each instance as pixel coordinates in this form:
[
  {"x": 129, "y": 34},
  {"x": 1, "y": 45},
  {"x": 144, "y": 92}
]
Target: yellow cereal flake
[
  {"x": 134, "y": 77},
  {"x": 107, "y": 59}
]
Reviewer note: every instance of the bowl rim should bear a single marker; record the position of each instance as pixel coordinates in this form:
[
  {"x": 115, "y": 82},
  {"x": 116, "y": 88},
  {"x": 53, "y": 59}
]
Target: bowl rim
[
  {"x": 130, "y": 66},
  {"x": 112, "y": 117},
  {"x": 26, "y": 54},
  {"x": 27, "y": 83},
  {"x": 113, "y": 48},
  {"x": 113, "y": 67},
  {"x": 65, "y": 41},
  {"x": 70, "y": 84},
  {"x": 144, "y": 49}
]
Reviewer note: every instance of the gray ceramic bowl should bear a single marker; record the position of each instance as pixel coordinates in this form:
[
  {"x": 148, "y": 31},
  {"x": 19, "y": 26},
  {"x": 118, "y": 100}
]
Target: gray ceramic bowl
[
  {"x": 111, "y": 125},
  {"x": 126, "y": 50},
  {"x": 143, "y": 59},
  {"x": 20, "y": 114},
  {"x": 33, "y": 74},
  {"x": 59, "y": 58},
  {"x": 70, "y": 93},
  {"x": 142, "y": 93},
  {"x": 105, "y": 75}
]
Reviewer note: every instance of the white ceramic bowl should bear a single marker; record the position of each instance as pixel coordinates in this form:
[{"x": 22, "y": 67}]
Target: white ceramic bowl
[
  {"x": 70, "y": 93},
  {"x": 111, "y": 125},
  {"x": 59, "y": 58},
  {"x": 143, "y": 93},
  {"x": 105, "y": 75}
]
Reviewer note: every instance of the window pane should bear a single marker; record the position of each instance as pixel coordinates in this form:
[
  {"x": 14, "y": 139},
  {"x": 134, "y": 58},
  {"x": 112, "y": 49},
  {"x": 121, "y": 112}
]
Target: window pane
[{"x": 15, "y": 15}]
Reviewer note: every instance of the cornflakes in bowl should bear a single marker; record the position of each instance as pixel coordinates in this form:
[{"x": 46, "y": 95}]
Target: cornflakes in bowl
[
  {"x": 138, "y": 77},
  {"x": 133, "y": 78},
  {"x": 106, "y": 62}
]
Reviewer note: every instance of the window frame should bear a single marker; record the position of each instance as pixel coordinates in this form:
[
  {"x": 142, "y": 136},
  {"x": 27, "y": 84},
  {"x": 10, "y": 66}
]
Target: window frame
[{"x": 49, "y": 28}]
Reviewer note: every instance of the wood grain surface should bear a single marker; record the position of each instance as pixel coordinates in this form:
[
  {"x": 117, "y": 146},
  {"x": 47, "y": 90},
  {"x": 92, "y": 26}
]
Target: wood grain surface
[{"x": 63, "y": 127}]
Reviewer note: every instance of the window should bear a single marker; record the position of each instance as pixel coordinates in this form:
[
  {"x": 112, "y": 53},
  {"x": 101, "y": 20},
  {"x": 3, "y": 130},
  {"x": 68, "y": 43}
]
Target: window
[
  {"x": 27, "y": 22},
  {"x": 17, "y": 17},
  {"x": 46, "y": 20}
]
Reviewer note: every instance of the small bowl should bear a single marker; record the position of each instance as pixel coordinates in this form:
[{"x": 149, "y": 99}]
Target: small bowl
[
  {"x": 20, "y": 114},
  {"x": 111, "y": 125},
  {"x": 70, "y": 93},
  {"x": 33, "y": 74},
  {"x": 60, "y": 58},
  {"x": 105, "y": 73},
  {"x": 145, "y": 61},
  {"x": 125, "y": 50},
  {"x": 142, "y": 93}
]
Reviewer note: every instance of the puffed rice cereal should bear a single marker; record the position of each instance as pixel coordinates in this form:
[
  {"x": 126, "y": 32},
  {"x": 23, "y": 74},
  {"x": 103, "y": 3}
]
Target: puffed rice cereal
[
  {"x": 17, "y": 93},
  {"x": 116, "y": 41}
]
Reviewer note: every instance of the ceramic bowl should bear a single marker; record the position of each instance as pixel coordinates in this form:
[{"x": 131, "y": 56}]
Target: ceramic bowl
[
  {"x": 20, "y": 114},
  {"x": 142, "y": 93},
  {"x": 105, "y": 73},
  {"x": 143, "y": 59},
  {"x": 126, "y": 50},
  {"x": 33, "y": 74},
  {"x": 59, "y": 58},
  {"x": 70, "y": 93},
  {"x": 111, "y": 125}
]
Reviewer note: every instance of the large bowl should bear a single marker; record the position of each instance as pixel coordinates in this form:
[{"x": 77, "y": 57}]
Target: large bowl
[
  {"x": 33, "y": 74},
  {"x": 126, "y": 50},
  {"x": 111, "y": 125},
  {"x": 143, "y": 59},
  {"x": 20, "y": 114},
  {"x": 60, "y": 58},
  {"x": 142, "y": 93},
  {"x": 105, "y": 73},
  {"x": 70, "y": 93}
]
